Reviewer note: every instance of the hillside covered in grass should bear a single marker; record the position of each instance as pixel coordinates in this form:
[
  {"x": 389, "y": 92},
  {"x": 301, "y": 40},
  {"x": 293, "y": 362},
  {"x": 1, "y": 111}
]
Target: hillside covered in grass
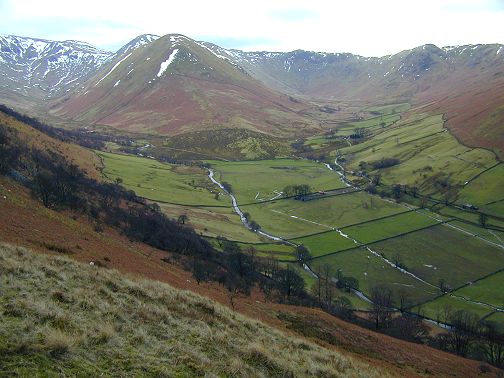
[{"x": 62, "y": 318}]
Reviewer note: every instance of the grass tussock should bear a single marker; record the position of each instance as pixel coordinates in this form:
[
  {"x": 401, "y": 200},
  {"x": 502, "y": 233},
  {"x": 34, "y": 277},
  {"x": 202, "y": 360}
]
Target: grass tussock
[{"x": 62, "y": 318}]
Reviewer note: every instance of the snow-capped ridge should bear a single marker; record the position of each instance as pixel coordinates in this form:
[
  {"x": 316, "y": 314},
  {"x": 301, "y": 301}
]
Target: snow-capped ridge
[{"x": 50, "y": 66}]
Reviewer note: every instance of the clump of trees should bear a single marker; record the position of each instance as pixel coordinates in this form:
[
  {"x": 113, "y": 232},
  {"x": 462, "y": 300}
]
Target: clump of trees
[
  {"x": 10, "y": 150},
  {"x": 296, "y": 190},
  {"x": 303, "y": 254},
  {"x": 299, "y": 146},
  {"x": 227, "y": 186},
  {"x": 385, "y": 163},
  {"x": 358, "y": 133},
  {"x": 253, "y": 225}
]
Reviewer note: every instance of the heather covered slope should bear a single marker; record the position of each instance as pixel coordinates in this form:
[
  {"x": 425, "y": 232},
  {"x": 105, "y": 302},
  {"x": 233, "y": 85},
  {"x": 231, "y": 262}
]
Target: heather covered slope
[
  {"x": 60, "y": 317},
  {"x": 175, "y": 85}
]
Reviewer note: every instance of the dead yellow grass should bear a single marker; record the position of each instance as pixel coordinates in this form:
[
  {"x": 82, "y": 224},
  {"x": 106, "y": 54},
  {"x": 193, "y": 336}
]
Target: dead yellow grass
[{"x": 60, "y": 317}]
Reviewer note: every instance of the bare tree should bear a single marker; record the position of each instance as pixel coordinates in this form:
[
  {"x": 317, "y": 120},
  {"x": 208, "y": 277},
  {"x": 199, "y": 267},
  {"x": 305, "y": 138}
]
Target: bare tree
[
  {"x": 492, "y": 344},
  {"x": 329, "y": 289},
  {"x": 381, "y": 296},
  {"x": 404, "y": 299},
  {"x": 465, "y": 326}
]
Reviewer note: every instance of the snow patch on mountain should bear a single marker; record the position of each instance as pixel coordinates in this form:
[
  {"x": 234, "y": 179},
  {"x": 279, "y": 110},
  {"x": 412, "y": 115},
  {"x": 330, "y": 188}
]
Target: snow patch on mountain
[
  {"x": 113, "y": 68},
  {"x": 166, "y": 63}
]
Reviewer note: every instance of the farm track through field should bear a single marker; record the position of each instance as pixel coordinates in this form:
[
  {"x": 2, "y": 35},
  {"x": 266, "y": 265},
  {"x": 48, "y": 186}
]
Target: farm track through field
[
  {"x": 474, "y": 235},
  {"x": 447, "y": 224}
]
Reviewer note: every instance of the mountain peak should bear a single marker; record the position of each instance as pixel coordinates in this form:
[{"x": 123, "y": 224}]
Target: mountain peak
[{"x": 141, "y": 40}]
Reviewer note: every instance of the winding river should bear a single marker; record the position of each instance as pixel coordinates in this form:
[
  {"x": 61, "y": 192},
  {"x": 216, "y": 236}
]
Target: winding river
[{"x": 238, "y": 211}]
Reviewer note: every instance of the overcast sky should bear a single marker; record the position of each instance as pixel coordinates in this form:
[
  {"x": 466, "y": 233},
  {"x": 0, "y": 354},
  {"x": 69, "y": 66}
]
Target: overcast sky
[{"x": 369, "y": 28}]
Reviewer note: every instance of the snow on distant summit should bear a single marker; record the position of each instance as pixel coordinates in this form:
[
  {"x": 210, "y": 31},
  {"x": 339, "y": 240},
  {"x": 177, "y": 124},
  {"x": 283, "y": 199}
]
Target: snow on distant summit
[
  {"x": 31, "y": 65},
  {"x": 139, "y": 41},
  {"x": 45, "y": 68}
]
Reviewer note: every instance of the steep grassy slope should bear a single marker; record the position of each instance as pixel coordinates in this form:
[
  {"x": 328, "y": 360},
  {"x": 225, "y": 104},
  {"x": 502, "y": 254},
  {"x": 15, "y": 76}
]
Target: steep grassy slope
[
  {"x": 75, "y": 154},
  {"x": 54, "y": 322}
]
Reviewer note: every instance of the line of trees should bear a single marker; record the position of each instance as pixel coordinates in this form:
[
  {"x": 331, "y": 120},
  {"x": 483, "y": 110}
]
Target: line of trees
[{"x": 469, "y": 336}]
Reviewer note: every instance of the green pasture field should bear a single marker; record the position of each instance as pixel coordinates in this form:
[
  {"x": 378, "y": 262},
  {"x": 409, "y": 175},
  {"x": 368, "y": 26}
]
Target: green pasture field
[
  {"x": 470, "y": 216},
  {"x": 488, "y": 290},
  {"x": 442, "y": 253},
  {"x": 357, "y": 261},
  {"x": 275, "y": 250},
  {"x": 368, "y": 124},
  {"x": 253, "y": 181},
  {"x": 213, "y": 222},
  {"x": 496, "y": 208},
  {"x": 161, "y": 181},
  {"x": 319, "y": 141},
  {"x": 486, "y": 188},
  {"x": 325, "y": 243},
  {"x": 447, "y": 211},
  {"x": 388, "y": 227},
  {"x": 426, "y": 151},
  {"x": 436, "y": 308},
  {"x": 292, "y": 218},
  {"x": 418, "y": 126},
  {"x": 431, "y": 213},
  {"x": 389, "y": 109},
  {"x": 491, "y": 235}
]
